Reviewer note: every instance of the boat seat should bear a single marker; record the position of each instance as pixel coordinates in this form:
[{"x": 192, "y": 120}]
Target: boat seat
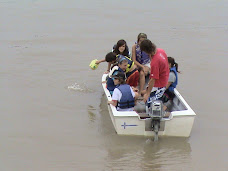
[{"x": 176, "y": 105}]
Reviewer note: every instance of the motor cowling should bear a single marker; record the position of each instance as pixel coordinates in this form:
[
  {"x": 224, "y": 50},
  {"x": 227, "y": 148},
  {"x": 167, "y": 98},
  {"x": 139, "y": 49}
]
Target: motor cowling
[
  {"x": 156, "y": 113},
  {"x": 156, "y": 110}
]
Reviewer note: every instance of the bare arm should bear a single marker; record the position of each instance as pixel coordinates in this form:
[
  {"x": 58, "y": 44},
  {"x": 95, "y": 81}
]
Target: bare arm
[
  {"x": 99, "y": 61},
  {"x": 109, "y": 67},
  {"x": 150, "y": 86},
  {"x": 136, "y": 95},
  {"x": 167, "y": 86},
  {"x": 103, "y": 60},
  {"x": 113, "y": 102}
]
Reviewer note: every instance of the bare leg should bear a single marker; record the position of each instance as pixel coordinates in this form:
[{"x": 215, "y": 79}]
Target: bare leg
[
  {"x": 164, "y": 107},
  {"x": 147, "y": 71},
  {"x": 167, "y": 114}
]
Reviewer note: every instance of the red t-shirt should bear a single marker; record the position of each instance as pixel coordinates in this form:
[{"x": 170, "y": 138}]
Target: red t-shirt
[{"x": 160, "y": 68}]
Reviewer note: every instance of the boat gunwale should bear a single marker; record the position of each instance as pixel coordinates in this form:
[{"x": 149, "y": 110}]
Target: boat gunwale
[{"x": 115, "y": 113}]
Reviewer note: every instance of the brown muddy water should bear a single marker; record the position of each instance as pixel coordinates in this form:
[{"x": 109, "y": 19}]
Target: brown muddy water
[{"x": 53, "y": 112}]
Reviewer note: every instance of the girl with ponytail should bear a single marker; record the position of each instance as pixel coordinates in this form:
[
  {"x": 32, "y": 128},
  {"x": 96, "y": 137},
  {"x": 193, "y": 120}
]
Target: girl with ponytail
[{"x": 172, "y": 82}]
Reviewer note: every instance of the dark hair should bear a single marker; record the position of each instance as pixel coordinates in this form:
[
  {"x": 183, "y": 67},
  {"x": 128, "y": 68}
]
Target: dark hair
[
  {"x": 121, "y": 77},
  {"x": 141, "y": 35},
  {"x": 171, "y": 60},
  {"x": 147, "y": 46},
  {"x": 110, "y": 57},
  {"x": 121, "y": 43},
  {"x": 122, "y": 81}
]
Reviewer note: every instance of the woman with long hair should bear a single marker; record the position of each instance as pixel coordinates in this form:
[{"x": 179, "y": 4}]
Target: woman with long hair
[
  {"x": 141, "y": 59},
  {"x": 121, "y": 48}
]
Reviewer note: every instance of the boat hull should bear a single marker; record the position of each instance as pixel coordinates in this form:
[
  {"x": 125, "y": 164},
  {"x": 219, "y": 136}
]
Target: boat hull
[{"x": 179, "y": 124}]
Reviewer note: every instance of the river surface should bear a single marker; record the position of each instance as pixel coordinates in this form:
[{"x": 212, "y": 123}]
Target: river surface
[{"x": 53, "y": 113}]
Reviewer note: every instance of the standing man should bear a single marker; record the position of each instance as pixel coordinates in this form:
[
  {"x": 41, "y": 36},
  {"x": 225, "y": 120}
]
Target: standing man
[{"x": 159, "y": 71}]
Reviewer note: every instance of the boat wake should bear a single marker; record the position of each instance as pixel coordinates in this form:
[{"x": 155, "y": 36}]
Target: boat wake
[{"x": 80, "y": 88}]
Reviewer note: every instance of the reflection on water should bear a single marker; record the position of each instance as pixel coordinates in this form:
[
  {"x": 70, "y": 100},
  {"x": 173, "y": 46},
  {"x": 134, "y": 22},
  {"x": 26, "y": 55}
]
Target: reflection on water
[
  {"x": 91, "y": 114},
  {"x": 139, "y": 152}
]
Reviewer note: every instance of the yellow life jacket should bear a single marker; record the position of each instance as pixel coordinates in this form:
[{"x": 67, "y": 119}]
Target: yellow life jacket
[{"x": 129, "y": 60}]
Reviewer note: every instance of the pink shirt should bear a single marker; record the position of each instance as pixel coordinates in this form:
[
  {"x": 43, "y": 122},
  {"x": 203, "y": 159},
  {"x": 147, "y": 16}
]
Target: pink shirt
[{"x": 160, "y": 68}]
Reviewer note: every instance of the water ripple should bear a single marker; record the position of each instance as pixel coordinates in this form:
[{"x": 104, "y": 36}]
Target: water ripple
[{"x": 80, "y": 88}]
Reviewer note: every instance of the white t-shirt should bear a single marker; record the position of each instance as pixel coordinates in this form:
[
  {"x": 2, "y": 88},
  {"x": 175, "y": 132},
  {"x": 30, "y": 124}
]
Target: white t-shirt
[{"x": 117, "y": 96}]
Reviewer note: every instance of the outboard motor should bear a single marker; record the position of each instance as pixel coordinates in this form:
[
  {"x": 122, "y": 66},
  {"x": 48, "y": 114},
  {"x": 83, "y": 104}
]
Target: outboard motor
[{"x": 156, "y": 113}]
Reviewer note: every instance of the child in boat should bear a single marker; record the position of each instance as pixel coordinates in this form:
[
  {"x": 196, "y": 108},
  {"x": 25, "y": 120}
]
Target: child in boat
[
  {"x": 120, "y": 67},
  {"x": 141, "y": 59},
  {"x": 112, "y": 59},
  {"x": 132, "y": 77},
  {"x": 131, "y": 74},
  {"x": 120, "y": 48},
  {"x": 123, "y": 96},
  {"x": 172, "y": 83}
]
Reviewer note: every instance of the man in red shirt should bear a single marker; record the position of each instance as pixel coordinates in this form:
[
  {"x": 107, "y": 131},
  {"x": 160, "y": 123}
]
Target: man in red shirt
[{"x": 159, "y": 74}]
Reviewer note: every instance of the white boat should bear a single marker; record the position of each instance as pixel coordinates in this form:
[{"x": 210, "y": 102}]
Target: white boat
[{"x": 179, "y": 124}]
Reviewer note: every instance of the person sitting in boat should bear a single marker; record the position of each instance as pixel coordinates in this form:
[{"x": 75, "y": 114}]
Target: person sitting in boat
[
  {"x": 132, "y": 74},
  {"x": 132, "y": 77},
  {"x": 120, "y": 48},
  {"x": 141, "y": 59},
  {"x": 123, "y": 96},
  {"x": 122, "y": 66},
  {"x": 172, "y": 83}
]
